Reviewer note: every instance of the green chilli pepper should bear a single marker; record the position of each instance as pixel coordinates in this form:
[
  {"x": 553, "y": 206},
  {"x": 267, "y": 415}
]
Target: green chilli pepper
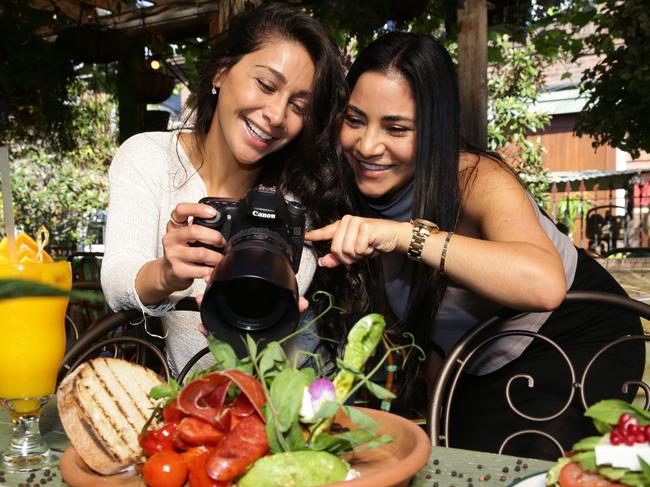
[{"x": 363, "y": 339}]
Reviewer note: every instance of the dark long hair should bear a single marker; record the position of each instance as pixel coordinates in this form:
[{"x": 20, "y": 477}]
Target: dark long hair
[
  {"x": 428, "y": 69},
  {"x": 308, "y": 166}
]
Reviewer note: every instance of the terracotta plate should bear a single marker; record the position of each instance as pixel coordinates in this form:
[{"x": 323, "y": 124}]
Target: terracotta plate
[{"x": 391, "y": 465}]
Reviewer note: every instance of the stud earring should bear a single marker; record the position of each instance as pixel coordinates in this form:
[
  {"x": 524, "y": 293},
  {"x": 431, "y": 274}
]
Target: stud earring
[{"x": 214, "y": 90}]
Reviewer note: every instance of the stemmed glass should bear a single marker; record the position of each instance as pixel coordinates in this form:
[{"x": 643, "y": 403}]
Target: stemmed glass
[{"x": 32, "y": 345}]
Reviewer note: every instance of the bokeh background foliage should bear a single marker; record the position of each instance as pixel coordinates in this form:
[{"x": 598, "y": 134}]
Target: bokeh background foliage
[
  {"x": 59, "y": 116},
  {"x": 65, "y": 189}
]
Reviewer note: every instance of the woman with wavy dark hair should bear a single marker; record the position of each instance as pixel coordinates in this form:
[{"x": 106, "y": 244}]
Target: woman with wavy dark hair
[
  {"x": 457, "y": 237},
  {"x": 266, "y": 111}
]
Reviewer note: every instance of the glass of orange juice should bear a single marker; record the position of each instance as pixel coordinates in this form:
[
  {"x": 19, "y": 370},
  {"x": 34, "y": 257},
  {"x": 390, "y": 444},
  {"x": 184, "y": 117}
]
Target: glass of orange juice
[{"x": 32, "y": 345}]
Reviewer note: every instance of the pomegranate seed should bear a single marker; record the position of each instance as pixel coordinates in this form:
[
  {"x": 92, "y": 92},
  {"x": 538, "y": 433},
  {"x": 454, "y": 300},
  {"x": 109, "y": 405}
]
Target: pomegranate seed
[
  {"x": 628, "y": 440},
  {"x": 646, "y": 429},
  {"x": 632, "y": 429},
  {"x": 624, "y": 419},
  {"x": 615, "y": 437},
  {"x": 640, "y": 437}
]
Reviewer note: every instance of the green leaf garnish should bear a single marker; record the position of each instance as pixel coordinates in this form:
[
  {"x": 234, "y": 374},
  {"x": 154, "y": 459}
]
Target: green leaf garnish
[
  {"x": 223, "y": 353},
  {"x": 22, "y": 288},
  {"x": 165, "y": 391},
  {"x": 586, "y": 444},
  {"x": 378, "y": 391},
  {"x": 286, "y": 396}
]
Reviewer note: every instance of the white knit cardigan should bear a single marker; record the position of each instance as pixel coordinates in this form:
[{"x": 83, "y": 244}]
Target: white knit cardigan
[{"x": 149, "y": 175}]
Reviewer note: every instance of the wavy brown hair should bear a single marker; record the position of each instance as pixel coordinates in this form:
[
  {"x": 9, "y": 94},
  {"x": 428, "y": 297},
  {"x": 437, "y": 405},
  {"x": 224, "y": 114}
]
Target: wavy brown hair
[{"x": 308, "y": 167}]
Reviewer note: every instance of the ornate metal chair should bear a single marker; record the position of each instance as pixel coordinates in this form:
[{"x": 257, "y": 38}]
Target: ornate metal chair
[
  {"x": 124, "y": 334},
  {"x": 120, "y": 335},
  {"x": 460, "y": 359}
]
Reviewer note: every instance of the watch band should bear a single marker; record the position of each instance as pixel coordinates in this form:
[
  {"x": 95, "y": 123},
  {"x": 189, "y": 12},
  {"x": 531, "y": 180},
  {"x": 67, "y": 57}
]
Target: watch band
[{"x": 421, "y": 230}]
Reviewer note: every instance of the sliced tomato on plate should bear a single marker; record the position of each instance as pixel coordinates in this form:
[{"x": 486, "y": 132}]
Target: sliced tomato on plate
[
  {"x": 154, "y": 441},
  {"x": 171, "y": 413},
  {"x": 572, "y": 475}
]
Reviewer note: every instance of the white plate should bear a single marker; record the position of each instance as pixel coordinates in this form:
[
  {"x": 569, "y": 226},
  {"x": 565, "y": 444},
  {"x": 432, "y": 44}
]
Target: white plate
[{"x": 537, "y": 480}]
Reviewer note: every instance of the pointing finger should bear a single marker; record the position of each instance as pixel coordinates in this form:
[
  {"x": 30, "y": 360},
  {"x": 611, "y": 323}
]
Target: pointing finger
[{"x": 324, "y": 233}]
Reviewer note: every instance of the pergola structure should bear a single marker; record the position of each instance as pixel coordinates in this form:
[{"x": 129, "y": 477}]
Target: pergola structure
[
  {"x": 134, "y": 20},
  {"x": 103, "y": 31},
  {"x": 171, "y": 18}
]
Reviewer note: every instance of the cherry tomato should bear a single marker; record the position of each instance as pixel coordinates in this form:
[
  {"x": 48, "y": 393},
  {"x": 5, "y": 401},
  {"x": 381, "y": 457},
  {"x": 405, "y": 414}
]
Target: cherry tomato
[
  {"x": 572, "y": 475},
  {"x": 154, "y": 441},
  {"x": 171, "y": 413},
  {"x": 165, "y": 469},
  {"x": 196, "y": 432}
]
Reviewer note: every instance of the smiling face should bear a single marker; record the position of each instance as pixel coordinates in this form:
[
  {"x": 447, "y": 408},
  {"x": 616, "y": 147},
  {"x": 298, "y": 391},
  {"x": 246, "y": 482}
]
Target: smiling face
[
  {"x": 378, "y": 133},
  {"x": 262, "y": 100}
]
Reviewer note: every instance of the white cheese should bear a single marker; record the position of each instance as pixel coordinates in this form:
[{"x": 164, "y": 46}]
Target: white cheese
[{"x": 622, "y": 456}]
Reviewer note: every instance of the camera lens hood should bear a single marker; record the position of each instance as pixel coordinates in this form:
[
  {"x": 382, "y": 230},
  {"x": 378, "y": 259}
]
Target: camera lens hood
[{"x": 253, "y": 290}]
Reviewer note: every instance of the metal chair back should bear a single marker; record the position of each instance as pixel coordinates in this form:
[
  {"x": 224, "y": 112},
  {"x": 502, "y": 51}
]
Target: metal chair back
[{"x": 456, "y": 363}]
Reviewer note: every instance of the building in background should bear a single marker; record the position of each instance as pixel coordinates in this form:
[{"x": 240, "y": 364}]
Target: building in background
[{"x": 600, "y": 194}]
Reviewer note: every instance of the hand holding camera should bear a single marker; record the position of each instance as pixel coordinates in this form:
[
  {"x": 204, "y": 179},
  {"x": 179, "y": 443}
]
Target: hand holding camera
[
  {"x": 253, "y": 288},
  {"x": 182, "y": 263}
]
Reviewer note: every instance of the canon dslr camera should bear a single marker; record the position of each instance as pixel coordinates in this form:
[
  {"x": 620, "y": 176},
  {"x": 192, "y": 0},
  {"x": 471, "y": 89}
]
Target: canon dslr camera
[{"x": 253, "y": 289}]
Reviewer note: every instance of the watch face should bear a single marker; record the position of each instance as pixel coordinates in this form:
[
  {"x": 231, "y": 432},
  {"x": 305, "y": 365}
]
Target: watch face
[{"x": 425, "y": 223}]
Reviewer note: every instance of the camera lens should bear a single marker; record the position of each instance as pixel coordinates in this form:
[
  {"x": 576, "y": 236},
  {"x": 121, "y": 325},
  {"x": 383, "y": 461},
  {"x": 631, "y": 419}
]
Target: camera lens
[
  {"x": 253, "y": 290},
  {"x": 268, "y": 308}
]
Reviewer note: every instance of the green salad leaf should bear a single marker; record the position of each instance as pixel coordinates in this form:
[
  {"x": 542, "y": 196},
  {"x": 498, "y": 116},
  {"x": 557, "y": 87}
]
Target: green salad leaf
[{"x": 607, "y": 413}]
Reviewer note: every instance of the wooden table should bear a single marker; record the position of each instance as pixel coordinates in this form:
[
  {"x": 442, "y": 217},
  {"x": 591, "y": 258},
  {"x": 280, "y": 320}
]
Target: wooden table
[
  {"x": 451, "y": 467},
  {"x": 447, "y": 466}
]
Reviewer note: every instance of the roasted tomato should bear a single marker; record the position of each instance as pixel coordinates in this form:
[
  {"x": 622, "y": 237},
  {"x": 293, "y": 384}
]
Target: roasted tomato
[
  {"x": 165, "y": 469},
  {"x": 572, "y": 475},
  {"x": 154, "y": 441},
  {"x": 195, "y": 459},
  {"x": 196, "y": 432},
  {"x": 245, "y": 444},
  {"x": 171, "y": 413}
]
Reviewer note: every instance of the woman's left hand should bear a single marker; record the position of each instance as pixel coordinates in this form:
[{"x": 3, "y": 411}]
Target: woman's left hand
[{"x": 355, "y": 238}]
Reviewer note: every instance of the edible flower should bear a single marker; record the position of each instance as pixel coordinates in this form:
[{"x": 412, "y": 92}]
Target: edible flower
[{"x": 314, "y": 396}]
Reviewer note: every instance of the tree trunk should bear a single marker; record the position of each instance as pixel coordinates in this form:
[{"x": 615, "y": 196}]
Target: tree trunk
[
  {"x": 227, "y": 9},
  {"x": 130, "y": 109},
  {"x": 472, "y": 71}
]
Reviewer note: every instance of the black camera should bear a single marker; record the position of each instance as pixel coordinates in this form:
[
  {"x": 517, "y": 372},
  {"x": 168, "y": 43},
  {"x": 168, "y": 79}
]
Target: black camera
[{"x": 253, "y": 289}]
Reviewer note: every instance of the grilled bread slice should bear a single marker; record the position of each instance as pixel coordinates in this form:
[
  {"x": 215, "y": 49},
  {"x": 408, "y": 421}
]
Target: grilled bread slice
[{"x": 103, "y": 405}]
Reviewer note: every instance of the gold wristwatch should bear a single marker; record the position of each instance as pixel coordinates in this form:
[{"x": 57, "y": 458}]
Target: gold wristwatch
[{"x": 421, "y": 230}]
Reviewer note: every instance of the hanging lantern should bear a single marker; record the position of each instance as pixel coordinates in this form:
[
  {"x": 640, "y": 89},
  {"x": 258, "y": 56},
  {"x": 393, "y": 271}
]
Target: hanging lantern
[{"x": 154, "y": 87}]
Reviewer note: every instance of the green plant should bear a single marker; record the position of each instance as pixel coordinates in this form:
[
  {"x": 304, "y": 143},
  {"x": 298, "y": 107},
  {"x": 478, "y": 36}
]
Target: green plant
[
  {"x": 513, "y": 86},
  {"x": 59, "y": 189},
  {"x": 569, "y": 209},
  {"x": 618, "y": 87}
]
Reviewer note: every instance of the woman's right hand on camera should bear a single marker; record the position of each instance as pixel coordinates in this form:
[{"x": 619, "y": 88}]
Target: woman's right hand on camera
[{"x": 182, "y": 263}]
